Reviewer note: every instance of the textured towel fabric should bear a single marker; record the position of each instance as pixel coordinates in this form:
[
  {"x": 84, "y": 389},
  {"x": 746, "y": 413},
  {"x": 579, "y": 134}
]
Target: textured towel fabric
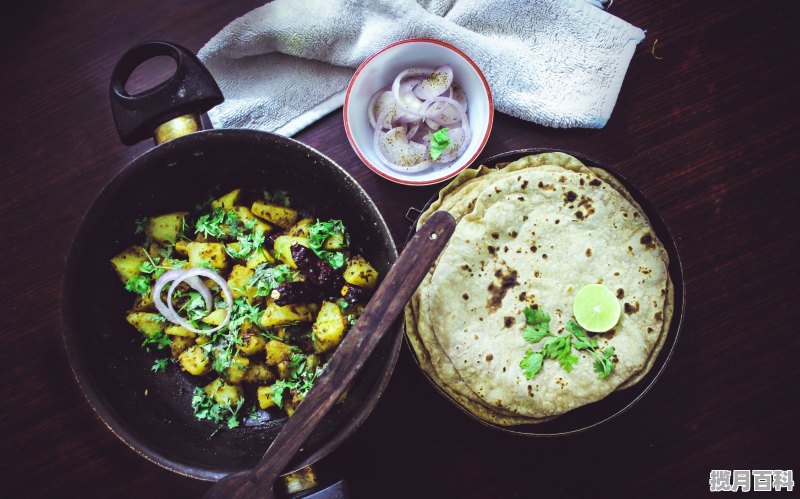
[{"x": 283, "y": 66}]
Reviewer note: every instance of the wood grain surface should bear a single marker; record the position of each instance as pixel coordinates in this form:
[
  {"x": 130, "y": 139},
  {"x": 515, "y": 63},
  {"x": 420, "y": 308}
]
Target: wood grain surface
[{"x": 707, "y": 126}]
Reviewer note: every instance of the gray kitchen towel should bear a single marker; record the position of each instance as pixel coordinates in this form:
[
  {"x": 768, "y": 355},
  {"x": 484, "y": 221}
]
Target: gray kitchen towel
[{"x": 559, "y": 63}]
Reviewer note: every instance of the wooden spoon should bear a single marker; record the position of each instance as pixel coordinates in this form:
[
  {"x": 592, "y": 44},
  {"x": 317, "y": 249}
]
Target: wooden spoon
[{"x": 381, "y": 312}]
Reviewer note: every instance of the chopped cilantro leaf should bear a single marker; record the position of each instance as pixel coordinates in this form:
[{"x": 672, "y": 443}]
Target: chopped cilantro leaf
[
  {"x": 266, "y": 277},
  {"x": 159, "y": 365},
  {"x": 139, "y": 284},
  {"x": 531, "y": 364},
  {"x": 319, "y": 232},
  {"x": 440, "y": 141},
  {"x": 210, "y": 225},
  {"x": 205, "y": 408},
  {"x": 159, "y": 340}
]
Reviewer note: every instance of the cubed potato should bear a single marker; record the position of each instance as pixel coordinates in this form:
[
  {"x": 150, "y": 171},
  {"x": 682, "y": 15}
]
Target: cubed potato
[
  {"x": 239, "y": 282},
  {"x": 284, "y": 369},
  {"x": 224, "y": 393},
  {"x": 245, "y": 215},
  {"x": 328, "y": 329},
  {"x": 147, "y": 323},
  {"x": 300, "y": 229},
  {"x": 127, "y": 263},
  {"x": 182, "y": 247},
  {"x": 216, "y": 317},
  {"x": 165, "y": 228},
  {"x": 194, "y": 360},
  {"x": 235, "y": 373},
  {"x": 258, "y": 372},
  {"x": 277, "y": 352},
  {"x": 360, "y": 273},
  {"x": 275, "y": 315},
  {"x": 176, "y": 330},
  {"x": 283, "y": 248},
  {"x": 282, "y": 216},
  {"x": 207, "y": 254},
  {"x": 201, "y": 254},
  {"x": 179, "y": 344},
  {"x": 252, "y": 342},
  {"x": 227, "y": 201},
  {"x": 264, "y": 394},
  {"x": 335, "y": 242},
  {"x": 259, "y": 257}
]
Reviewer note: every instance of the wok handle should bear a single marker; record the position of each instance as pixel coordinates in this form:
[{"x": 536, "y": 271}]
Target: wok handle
[{"x": 179, "y": 100}]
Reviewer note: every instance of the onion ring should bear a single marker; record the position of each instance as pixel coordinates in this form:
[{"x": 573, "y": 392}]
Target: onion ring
[{"x": 191, "y": 277}]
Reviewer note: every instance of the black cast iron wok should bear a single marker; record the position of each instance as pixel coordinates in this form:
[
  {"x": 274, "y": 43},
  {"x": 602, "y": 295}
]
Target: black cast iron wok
[
  {"x": 151, "y": 412},
  {"x": 591, "y": 415}
]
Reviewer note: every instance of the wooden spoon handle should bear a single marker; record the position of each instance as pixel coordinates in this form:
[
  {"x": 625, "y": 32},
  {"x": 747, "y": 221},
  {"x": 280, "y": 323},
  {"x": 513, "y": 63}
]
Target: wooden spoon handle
[{"x": 381, "y": 312}]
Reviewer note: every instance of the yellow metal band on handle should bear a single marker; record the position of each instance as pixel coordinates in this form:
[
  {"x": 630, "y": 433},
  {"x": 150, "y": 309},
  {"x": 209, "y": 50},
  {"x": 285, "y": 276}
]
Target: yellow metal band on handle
[{"x": 177, "y": 127}]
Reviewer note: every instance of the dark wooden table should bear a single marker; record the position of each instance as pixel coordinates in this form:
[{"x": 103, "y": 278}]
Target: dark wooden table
[{"x": 707, "y": 127}]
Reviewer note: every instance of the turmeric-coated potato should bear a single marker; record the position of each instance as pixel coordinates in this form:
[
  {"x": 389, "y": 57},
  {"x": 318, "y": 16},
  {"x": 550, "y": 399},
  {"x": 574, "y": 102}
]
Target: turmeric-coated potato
[
  {"x": 204, "y": 254},
  {"x": 165, "y": 228},
  {"x": 147, "y": 323},
  {"x": 360, "y": 273},
  {"x": 275, "y": 315},
  {"x": 194, "y": 360},
  {"x": 283, "y": 248},
  {"x": 282, "y": 216},
  {"x": 328, "y": 330},
  {"x": 264, "y": 394},
  {"x": 223, "y": 393},
  {"x": 277, "y": 352},
  {"x": 227, "y": 201},
  {"x": 127, "y": 262}
]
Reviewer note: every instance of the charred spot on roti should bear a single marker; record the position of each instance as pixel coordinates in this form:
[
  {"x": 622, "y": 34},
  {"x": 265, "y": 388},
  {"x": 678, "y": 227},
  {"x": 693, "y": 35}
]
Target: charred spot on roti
[
  {"x": 562, "y": 179},
  {"x": 558, "y": 221},
  {"x": 579, "y": 215},
  {"x": 544, "y": 256},
  {"x": 546, "y": 187},
  {"x": 631, "y": 309},
  {"x": 521, "y": 198},
  {"x": 581, "y": 181},
  {"x": 647, "y": 241},
  {"x": 497, "y": 190},
  {"x": 505, "y": 249},
  {"x": 495, "y": 235},
  {"x": 466, "y": 268},
  {"x": 523, "y": 296},
  {"x": 609, "y": 334},
  {"x": 498, "y": 272},
  {"x": 524, "y": 218},
  {"x": 649, "y": 329},
  {"x": 536, "y": 273},
  {"x": 524, "y": 184},
  {"x": 636, "y": 214},
  {"x": 508, "y": 321},
  {"x": 588, "y": 251},
  {"x": 659, "y": 317},
  {"x": 489, "y": 357},
  {"x": 492, "y": 249},
  {"x": 595, "y": 182},
  {"x": 533, "y": 248},
  {"x": 497, "y": 293},
  {"x": 600, "y": 281},
  {"x": 569, "y": 197},
  {"x": 513, "y": 234},
  {"x": 620, "y": 293},
  {"x": 465, "y": 296},
  {"x": 644, "y": 270},
  {"x": 530, "y": 391}
]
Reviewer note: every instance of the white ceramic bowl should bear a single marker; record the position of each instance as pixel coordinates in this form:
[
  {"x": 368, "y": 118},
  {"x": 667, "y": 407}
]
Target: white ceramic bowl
[{"x": 379, "y": 71}]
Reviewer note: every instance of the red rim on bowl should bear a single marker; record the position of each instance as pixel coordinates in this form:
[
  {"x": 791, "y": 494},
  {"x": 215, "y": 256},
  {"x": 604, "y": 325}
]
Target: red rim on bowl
[{"x": 448, "y": 175}]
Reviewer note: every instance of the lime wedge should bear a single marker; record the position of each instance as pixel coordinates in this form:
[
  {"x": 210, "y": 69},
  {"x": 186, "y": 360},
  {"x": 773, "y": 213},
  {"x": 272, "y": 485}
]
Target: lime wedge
[{"x": 596, "y": 308}]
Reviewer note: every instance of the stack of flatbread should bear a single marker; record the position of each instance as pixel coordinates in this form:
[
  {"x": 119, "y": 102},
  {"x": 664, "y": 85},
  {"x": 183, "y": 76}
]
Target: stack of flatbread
[{"x": 531, "y": 234}]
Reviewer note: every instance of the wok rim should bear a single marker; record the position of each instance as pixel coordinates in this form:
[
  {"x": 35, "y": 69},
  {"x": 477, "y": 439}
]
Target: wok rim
[
  {"x": 675, "y": 269},
  {"x": 94, "y": 396}
]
